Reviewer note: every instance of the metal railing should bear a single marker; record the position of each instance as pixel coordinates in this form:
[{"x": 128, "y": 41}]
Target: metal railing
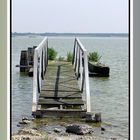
[
  {"x": 39, "y": 69},
  {"x": 80, "y": 62}
]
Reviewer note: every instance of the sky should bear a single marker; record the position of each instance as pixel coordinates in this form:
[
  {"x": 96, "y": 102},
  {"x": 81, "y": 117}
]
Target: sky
[{"x": 63, "y": 16}]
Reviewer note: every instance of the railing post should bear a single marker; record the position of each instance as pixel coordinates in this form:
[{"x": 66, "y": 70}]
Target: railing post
[
  {"x": 46, "y": 56},
  {"x": 42, "y": 65},
  {"x": 78, "y": 71},
  {"x": 35, "y": 86},
  {"x": 83, "y": 79},
  {"x": 47, "y": 51},
  {"x": 87, "y": 82},
  {"x": 81, "y": 70},
  {"x": 40, "y": 70},
  {"x": 74, "y": 51},
  {"x": 75, "y": 64}
]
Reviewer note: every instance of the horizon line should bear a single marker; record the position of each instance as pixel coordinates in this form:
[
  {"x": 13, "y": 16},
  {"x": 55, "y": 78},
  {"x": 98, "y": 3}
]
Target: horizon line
[{"x": 74, "y": 32}]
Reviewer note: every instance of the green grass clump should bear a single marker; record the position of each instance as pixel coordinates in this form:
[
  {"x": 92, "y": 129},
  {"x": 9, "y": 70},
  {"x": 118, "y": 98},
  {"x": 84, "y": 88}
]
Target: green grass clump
[
  {"x": 69, "y": 57},
  {"x": 52, "y": 54},
  {"x": 94, "y": 56},
  {"x": 61, "y": 58}
]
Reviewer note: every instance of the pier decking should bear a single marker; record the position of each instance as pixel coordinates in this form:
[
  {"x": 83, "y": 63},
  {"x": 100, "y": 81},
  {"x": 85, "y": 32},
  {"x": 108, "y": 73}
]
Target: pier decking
[{"x": 56, "y": 89}]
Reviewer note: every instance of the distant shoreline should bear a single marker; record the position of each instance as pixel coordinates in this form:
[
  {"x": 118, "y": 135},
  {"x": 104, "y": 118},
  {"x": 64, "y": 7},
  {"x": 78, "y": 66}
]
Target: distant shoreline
[{"x": 73, "y": 34}]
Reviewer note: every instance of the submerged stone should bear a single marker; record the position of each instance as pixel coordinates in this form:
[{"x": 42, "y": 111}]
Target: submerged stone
[{"x": 80, "y": 129}]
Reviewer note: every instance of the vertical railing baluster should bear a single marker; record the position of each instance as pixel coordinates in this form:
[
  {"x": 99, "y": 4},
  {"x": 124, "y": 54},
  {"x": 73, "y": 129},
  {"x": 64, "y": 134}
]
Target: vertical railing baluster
[
  {"x": 83, "y": 79},
  {"x": 74, "y": 52},
  {"x": 42, "y": 66},
  {"x": 38, "y": 80},
  {"x": 47, "y": 52},
  {"x": 75, "y": 58},
  {"x": 77, "y": 64},
  {"x": 45, "y": 61},
  {"x": 87, "y": 82},
  {"x": 35, "y": 86},
  {"x": 40, "y": 63},
  {"x": 78, "y": 71},
  {"x": 81, "y": 74}
]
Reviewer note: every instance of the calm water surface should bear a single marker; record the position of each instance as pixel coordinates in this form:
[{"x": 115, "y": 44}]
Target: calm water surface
[{"x": 108, "y": 95}]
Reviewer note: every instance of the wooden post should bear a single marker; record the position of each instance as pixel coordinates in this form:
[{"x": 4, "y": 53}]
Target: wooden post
[
  {"x": 74, "y": 52},
  {"x": 87, "y": 83},
  {"x": 81, "y": 71},
  {"x": 76, "y": 58},
  {"x": 24, "y": 61},
  {"x": 35, "y": 86},
  {"x": 77, "y": 63},
  {"x": 30, "y": 56},
  {"x": 47, "y": 51},
  {"x": 42, "y": 65},
  {"x": 83, "y": 79},
  {"x": 40, "y": 69},
  {"x": 78, "y": 71}
]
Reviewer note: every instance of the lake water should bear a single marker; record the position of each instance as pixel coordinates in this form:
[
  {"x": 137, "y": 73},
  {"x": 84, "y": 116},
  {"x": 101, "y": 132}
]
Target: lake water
[{"x": 108, "y": 95}]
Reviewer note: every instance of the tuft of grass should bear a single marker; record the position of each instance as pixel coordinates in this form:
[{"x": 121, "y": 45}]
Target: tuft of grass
[
  {"x": 69, "y": 57},
  {"x": 52, "y": 54},
  {"x": 94, "y": 56},
  {"x": 61, "y": 58}
]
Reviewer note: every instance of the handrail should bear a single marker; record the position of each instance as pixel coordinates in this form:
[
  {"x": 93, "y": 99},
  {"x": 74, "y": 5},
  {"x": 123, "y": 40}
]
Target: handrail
[
  {"x": 80, "y": 62},
  {"x": 39, "y": 69}
]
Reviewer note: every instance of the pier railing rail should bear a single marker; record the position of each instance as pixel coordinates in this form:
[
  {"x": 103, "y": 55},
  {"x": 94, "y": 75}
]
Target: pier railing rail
[
  {"x": 39, "y": 69},
  {"x": 80, "y": 62}
]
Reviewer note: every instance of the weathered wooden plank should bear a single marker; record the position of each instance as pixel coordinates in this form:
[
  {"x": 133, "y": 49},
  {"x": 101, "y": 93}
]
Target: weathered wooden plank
[
  {"x": 61, "y": 76},
  {"x": 59, "y": 88},
  {"x": 52, "y": 94},
  {"x": 60, "y": 113},
  {"x": 43, "y": 101},
  {"x": 64, "y": 83}
]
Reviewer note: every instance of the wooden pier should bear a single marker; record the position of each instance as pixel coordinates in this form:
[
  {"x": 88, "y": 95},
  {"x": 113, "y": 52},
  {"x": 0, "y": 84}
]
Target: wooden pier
[{"x": 59, "y": 87}]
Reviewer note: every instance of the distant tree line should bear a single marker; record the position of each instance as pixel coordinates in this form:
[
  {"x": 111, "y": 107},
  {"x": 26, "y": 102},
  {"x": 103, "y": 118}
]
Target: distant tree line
[{"x": 73, "y": 34}]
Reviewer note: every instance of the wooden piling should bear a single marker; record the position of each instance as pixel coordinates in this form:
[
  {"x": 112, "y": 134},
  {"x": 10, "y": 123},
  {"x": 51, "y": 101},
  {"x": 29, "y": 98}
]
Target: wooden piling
[{"x": 24, "y": 61}]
